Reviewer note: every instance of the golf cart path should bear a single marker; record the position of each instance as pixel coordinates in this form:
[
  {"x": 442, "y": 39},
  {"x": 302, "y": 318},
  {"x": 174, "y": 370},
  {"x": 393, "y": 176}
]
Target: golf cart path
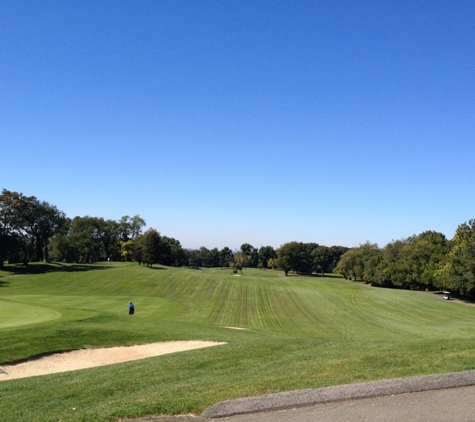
[
  {"x": 89, "y": 358},
  {"x": 435, "y": 398}
]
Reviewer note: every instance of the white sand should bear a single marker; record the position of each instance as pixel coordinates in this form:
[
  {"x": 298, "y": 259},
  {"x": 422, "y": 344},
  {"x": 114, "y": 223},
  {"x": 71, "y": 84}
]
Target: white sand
[{"x": 89, "y": 358}]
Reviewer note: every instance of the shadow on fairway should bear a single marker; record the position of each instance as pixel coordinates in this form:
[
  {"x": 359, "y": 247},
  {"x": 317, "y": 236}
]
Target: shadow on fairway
[
  {"x": 316, "y": 276},
  {"x": 19, "y": 269},
  {"x": 4, "y": 283}
]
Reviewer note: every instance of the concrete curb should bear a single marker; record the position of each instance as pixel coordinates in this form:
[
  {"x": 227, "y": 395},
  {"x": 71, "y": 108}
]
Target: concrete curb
[{"x": 301, "y": 398}]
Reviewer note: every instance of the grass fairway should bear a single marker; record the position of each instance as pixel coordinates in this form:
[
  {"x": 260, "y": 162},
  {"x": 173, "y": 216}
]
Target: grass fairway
[{"x": 302, "y": 332}]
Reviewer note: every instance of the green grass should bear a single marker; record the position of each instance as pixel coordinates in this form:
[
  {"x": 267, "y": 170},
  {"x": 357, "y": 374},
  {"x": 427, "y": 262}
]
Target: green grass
[{"x": 303, "y": 332}]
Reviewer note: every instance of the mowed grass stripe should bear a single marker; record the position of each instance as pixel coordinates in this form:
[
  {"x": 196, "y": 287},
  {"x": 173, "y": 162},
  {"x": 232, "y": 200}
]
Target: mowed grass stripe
[{"x": 303, "y": 332}]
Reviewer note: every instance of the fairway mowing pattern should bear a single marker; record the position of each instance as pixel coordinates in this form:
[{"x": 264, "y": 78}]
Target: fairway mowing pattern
[{"x": 301, "y": 332}]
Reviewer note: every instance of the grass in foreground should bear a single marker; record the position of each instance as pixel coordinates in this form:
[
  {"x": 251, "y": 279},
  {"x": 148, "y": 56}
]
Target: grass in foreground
[{"x": 303, "y": 333}]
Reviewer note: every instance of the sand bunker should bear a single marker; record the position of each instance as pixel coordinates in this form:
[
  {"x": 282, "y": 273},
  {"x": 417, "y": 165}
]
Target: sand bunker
[{"x": 89, "y": 358}]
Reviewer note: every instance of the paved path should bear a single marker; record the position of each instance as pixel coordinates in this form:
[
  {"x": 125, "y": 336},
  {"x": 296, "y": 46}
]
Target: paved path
[{"x": 435, "y": 398}]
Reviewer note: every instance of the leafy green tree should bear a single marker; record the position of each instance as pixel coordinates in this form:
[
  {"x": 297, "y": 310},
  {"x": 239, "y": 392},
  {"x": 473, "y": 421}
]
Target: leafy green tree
[
  {"x": 225, "y": 257},
  {"x": 110, "y": 239},
  {"x": 418, "y": 260},
  {"x": 195, "y": 257},
  {"x": 89, "y": 240},
  {"x": 130, "y": 227},
  {"x": 238, "y": 262},
  {"x": 458, "y": 274},
  {"x": 381, "y": 268},
  {"x": 127, "y": 250},
  {"x": 249, "y": 254},
  {"x": 7, "y": 226},
  {"x": 48, "y": 221},
  {"x": 296, "y": 256},
  {"x": 151, "y": 247},
  {"x": 172, "y": 253},
  {"x": 264, "y": 254},
  {"x": 336, "y": 253},
  {"x": 356, "y": 263},
  {"x": 323, "y": 259},
  {"x": 18, "y": 214},
  {"x": 289, "y": 257}
]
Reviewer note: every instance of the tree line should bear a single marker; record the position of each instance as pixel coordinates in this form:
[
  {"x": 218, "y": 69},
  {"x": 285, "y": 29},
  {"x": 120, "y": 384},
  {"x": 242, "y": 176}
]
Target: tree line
[
  {"x": 428, "y": 261},
  {"x": 34, "y": 230}
]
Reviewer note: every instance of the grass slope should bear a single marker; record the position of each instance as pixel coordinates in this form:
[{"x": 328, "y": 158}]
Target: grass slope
[{"x": 303, "y": 332}]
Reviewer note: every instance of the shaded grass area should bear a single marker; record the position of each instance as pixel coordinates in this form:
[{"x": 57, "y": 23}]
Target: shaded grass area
[{"x": 303, "y": 332}]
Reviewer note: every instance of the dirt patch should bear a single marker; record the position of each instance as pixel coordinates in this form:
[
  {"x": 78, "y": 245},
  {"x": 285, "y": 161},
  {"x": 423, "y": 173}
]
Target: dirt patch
[{"x": 90, "y": 358}]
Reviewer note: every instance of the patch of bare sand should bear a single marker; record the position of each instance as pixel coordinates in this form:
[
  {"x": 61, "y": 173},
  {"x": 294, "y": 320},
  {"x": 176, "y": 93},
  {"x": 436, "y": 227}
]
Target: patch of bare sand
[{"x": 89, "y": 358}]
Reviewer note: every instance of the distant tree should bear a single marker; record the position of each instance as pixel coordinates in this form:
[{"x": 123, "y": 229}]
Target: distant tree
[
  {"x": 8, "y": 230},
  {"x": 418, "y": 260},
  {"x": 110, "y": 239},
  {"x": 296, "y": 256},
  {"x": 18, "y": 215},
  {"x": 48, "y": 221},
  {"x": 458, "y": 273},
  {"x": 212, "y": 258},
  {"x": 322, "y": 259},
  {"x": 238, "y": 263},
  {"x": 194, "y": 258},
  {"x": 225, "y": 257},
  {"x": 151, "y": 247},
  {"x": 249, "y": 254},
  {"x": 336, "y": 253},
  {"x": 380, "y": 269},
  {"x": 356, "y": 262},
  {"x": 172, "y": 252},
  {"x": 289, "y": 257},
  {"x": 127, "y": 250},
  {"x": 130, "y": 227},
  {"x": 264, "y": 254}
]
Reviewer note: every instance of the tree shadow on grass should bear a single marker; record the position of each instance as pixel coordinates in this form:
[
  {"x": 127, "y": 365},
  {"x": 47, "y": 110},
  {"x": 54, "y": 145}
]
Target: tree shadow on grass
[
  {"x": 37, "y": 268},
  {"x": 316, "y": 276},
  {"x": 157, "y": 268},
  {"x": 4, "y": 283}
]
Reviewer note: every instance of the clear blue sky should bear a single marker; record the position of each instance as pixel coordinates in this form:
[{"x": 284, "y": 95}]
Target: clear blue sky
[{"x": 225, "y": 122}]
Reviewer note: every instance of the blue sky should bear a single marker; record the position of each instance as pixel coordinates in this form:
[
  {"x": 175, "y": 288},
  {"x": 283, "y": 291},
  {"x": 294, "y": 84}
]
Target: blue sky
[{"x": 226, "y": 122}]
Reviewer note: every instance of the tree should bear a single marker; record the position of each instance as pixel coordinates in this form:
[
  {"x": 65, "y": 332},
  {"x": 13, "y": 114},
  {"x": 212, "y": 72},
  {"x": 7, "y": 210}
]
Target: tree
[
  {"x": 127, "y": 250},
  {"x": 358, "y": 262},
  {"x": 288, "y": 257},
  {"x": 322, "y": 259},
  {"x": 418, "y": 260},
  {"x": 151, "y": 247},
  {"x": 336, "y": 253},
  {"x": 110, "y": 239},
  {"x": 18, "y": 221},
  {"x": 238, "y": 263},
  {"x": 7, "y": 229},
  {"x": 458, "y": 274},
  {"x": 130, "y": 227},
  {"x": 384, "y": 266},
  {"x": 296, "y": 256},
  {"x": 264, "y": 254},
  {"x": 48, "y": 220},
  {"x": 225, "y": 257},
  {"x": 249, "y": 254},
  {"x": 172, "y": 252},
  {"x": 211, "y": 258}
]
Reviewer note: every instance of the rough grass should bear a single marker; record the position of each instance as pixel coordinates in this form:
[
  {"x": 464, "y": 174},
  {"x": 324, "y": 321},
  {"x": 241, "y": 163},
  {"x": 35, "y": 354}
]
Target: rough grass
[{"x": 303, "y": 332}]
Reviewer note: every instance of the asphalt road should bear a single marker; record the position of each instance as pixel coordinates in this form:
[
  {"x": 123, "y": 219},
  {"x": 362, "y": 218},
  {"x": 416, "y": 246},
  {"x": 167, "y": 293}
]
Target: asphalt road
[{"x": 435, "y": 398}]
